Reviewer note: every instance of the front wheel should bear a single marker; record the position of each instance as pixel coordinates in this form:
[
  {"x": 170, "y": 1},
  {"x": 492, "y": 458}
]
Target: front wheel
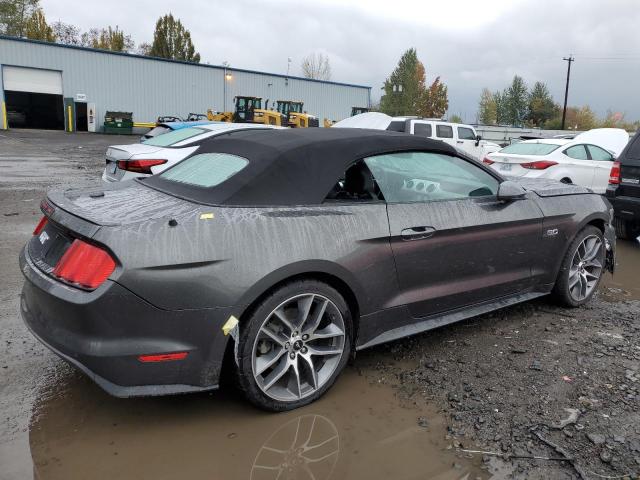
[
  {"x": 582, "y": 268},
  {"x": 294, "y": 345}
]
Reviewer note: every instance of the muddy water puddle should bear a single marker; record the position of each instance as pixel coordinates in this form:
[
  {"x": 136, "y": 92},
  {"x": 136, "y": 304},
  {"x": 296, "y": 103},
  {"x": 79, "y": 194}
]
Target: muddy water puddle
[
  {"x": 625, "y": 282},
  {"x": 357, "y": 430}
]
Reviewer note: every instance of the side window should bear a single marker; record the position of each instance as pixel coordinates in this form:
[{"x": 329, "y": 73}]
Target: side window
[
  {"x": 356, "y": 185},
  {"x": 422, "y": 129},
  {"x": 598, "y": 153},
  {"x": 465, "y": 134},
  {"x": 577, "y": 151},
  {"x": 444, "y": 131},
  {"x": 423, "y": 177}
]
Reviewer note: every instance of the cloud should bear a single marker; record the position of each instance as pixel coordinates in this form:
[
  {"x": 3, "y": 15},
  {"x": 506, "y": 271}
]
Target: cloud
[{"x": 469, "y": 44}]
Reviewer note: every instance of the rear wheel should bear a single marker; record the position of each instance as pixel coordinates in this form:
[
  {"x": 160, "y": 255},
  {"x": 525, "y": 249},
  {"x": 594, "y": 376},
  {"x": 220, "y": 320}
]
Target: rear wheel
[
  {"x": 581, "y": 268},
  {"x": 623, "y": 228},
  {"x": 294, "y": 345}
]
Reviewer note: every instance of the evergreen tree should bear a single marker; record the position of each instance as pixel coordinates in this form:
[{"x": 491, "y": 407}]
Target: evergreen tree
[
  {"x": 172, "y": 40},
  {"x": 487, "y": 108},
  {"x": 541, "y": 105},
  {"x": 517, "y": 102}
]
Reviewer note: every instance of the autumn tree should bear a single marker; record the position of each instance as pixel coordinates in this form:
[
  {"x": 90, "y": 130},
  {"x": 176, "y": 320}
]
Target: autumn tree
[
  {"x": 14, "y": 15},
  {"x": 405, "y": 91},
  {"x": 108, "y": 38},
  {"x": 316, "y": 65},
  {"x": 541, "y": 105},
  {"x": 66, "y": 33},
  {"x": 37, "y": 28},
  {"x": 172, "y": 40},
  {"x": 487, "y": 108}
]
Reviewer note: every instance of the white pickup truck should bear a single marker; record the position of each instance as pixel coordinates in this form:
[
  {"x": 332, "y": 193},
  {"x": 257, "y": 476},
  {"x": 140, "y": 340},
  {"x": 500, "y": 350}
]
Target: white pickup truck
[{"x": 463, "y": 137}]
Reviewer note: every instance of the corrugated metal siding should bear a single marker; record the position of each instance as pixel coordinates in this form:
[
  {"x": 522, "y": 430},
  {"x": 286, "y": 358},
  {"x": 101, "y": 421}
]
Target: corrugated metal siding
[{"x": 149, "y": 88}]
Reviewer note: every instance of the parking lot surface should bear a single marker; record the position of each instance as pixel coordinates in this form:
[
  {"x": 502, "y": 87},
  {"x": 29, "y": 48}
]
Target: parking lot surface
[{"x": 500, "y": 384}]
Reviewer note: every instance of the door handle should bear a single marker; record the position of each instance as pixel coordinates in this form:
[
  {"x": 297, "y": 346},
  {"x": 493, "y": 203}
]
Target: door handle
[
  {"x": 417, "y": 233},
  {"x": 459, "y": 141}
]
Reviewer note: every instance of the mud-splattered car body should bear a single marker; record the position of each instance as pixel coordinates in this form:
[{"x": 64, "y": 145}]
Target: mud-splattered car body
[{"x": 185, "y": 265}]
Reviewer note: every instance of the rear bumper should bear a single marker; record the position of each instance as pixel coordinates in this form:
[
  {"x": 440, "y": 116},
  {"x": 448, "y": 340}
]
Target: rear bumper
[
  {"x": 627, "y": 208},
  {"x": 103, "y": 333}
]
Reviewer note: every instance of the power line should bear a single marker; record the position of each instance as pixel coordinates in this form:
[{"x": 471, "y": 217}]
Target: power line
[{"x": 569, "y": 60}]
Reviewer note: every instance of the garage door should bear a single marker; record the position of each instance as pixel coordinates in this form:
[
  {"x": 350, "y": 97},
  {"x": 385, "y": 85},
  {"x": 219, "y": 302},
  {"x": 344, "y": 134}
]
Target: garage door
[
  {"x": 33, "y": 80},
  {"x": 33, "y": 97}
]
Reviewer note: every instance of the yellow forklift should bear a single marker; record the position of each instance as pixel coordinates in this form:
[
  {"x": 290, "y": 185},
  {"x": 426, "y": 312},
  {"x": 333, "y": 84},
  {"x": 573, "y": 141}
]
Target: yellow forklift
[
  {"x": 249, "y": 110},
  {"x": 296, "y": 116}
]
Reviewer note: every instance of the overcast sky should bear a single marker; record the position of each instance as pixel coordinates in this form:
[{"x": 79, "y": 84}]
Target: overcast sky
[{"x": 469, "y": 44}]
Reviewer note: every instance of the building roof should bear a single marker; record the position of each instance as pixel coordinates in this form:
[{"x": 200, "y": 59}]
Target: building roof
[{"x": 158, "y": 59}]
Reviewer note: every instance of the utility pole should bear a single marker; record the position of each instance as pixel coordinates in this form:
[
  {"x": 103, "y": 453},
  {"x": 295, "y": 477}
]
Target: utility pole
[{"x": 566, "y": 90}]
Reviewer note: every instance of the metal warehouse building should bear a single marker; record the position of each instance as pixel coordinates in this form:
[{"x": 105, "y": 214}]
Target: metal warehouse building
[{"x": 42, "y": 83}]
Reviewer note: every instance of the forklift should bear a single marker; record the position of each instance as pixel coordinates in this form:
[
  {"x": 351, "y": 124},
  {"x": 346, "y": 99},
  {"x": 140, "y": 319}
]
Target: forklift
[
  {"x": 295, "y": 115},
  {"x": 249, "y": 110}
]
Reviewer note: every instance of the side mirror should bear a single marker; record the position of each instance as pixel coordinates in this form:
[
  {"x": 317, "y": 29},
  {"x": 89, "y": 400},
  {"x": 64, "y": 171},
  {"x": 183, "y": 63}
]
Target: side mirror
[
  {"x": 509, "y": 191},
  {"x": 478, "y": 138}
]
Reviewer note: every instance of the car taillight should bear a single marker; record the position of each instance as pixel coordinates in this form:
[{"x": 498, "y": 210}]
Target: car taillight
[
  {"x": 539, "y": 165},
  {"x": 487, "y": 161},
  {"x": 84, "y": 265},
  {"x": 140, "y": 166},
  {"x": 40, "y": 226},
  {"x": 614, "y": 175}
]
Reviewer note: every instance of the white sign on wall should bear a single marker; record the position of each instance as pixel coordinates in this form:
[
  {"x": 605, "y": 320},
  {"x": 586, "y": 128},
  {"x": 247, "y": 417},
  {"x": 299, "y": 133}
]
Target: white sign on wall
[{"x": 81, "y": 97}]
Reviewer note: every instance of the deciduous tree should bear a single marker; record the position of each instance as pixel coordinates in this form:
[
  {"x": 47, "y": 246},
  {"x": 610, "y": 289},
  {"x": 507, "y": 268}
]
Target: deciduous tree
[
  {"x": 487, "y": 108},
  {"x": 172, "y": 40},
  {"x": 14, "y": 15},
  {"x": 37, "y": 28},
  {"x": 108, "y": 38},
  {"x": 316, "y": 65},
  {"x": 66, "y": 33}
]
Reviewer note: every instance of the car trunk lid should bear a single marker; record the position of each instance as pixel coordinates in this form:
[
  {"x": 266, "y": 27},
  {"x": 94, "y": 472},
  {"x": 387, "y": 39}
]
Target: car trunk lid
[
  {"x": 121, "y": 203},
  {"x": 117, "y": 153}
]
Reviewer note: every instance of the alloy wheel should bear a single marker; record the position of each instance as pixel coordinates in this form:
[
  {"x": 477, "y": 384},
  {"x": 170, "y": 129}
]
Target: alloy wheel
[
  {"x": 586, "y": 268},
  {"x": 298, "y": 347}
]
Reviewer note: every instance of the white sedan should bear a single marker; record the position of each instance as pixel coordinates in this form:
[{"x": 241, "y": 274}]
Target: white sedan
[
  {"x": 159, "y": 153},
  {"x": 583, "y": 160}
]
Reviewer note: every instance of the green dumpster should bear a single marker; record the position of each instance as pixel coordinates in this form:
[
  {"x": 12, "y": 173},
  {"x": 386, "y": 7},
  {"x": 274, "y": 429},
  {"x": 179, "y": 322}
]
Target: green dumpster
[{"x": 118, "y": 122}]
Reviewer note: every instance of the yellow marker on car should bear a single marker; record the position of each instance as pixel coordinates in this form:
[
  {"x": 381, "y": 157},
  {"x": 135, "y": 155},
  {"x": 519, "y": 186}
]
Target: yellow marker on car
[
  {"x": 206, "y": 216},
  {"x": 229, "y": 325}
]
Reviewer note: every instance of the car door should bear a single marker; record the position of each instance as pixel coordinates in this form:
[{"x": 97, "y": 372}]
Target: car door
[
  {"x": 467, "y": 141},
  {"x": 453, "y": 242},
  {"x": 581, "y": 168},
  {"x": 602, "y": 162}
]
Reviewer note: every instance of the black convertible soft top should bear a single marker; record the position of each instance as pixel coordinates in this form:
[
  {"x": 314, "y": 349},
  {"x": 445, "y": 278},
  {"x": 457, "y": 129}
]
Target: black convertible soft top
[{"x": 292, "y": 166}]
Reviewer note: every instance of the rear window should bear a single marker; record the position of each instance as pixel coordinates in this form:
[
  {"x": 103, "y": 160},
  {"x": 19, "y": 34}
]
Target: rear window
[
  {"x": 530, "y": 148},
  {"x": 396, "y": 126},
  {"x": 422, "y": 129},
  {"x": 206, "y": 169},
  {"x": 175, "y": 136},
  {"x": 633, "y": 153}
]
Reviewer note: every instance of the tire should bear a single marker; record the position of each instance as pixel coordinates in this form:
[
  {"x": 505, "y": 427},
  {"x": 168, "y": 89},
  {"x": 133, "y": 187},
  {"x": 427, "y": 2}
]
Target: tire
[
  {"x": 623, "y": 228},
  {"x": 581, "y": 266},
  {"x": 278, "y": 353}
]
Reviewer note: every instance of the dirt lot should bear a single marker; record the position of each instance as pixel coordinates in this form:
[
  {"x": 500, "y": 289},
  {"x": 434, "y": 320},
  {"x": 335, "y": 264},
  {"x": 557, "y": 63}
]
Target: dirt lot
[{"x": 531, "y": 380}]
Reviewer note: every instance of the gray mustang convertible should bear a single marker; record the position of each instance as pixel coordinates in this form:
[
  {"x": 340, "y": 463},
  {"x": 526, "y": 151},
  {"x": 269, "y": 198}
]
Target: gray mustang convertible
[{"x": 275, "y": 255}]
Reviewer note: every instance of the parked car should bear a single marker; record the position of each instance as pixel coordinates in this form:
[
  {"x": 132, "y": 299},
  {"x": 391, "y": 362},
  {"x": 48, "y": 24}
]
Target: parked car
[
  {"x": 156, "y": 154},
  {"x": 583, "y": 160},
  {"x": 460, "y": 136},
  {"x": 624, "y": 190},
  {"x": 275, "y": 254},
  {"x": 166, "y": 127}
]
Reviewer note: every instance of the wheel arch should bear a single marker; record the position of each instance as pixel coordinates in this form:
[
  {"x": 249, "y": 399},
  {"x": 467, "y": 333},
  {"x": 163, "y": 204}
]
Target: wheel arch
[{"x": 327, "y": 272}]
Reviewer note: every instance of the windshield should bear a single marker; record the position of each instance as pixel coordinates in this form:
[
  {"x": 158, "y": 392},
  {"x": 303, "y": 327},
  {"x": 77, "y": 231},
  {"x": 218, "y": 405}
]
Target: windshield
[
  {"x": 206, "y": 169},
  {"x": 524, "y": 148},
  {"x": 173, "y": 137}
]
